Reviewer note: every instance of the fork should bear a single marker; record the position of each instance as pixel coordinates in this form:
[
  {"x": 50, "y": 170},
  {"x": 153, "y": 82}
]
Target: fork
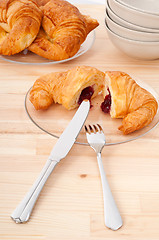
[{"x": 96, "y": 140}]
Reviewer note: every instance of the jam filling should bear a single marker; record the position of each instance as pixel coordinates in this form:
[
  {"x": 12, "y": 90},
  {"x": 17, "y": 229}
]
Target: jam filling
[
  {"x": 86, "y": 94},
  {"x": 105, "y": 106}
]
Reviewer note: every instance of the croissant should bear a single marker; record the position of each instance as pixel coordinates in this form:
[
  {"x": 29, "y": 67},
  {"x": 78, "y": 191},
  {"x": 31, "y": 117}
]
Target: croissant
[
  {"x": 19, "y": 25},
  {"x": 68, "y": 88},
  {"x": 127, "y": 100},
  {"x": 63, "y": 30}
]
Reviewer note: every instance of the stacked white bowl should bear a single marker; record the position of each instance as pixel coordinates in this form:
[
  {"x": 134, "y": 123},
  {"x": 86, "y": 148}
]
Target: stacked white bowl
[{"x": 133, "y": 27}]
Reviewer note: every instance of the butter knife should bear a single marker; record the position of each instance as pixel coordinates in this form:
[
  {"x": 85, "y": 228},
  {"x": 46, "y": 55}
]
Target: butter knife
[{"x": 22, "y": 213}]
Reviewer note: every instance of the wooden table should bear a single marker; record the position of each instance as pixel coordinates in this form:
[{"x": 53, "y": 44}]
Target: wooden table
[{"x": 71, "y": 205}]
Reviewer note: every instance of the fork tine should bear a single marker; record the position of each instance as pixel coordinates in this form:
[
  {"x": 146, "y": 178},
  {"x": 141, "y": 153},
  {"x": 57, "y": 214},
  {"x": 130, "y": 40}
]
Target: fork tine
[
  {"x": 91, "y": 129},
  {"x": 100, "y": 127},
  {"x": 95, "y": 128},
  {"x": 86, "y": 129}
]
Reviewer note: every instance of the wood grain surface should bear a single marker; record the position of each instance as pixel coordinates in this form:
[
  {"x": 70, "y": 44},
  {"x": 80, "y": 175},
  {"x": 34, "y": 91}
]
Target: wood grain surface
[{"x": 71, "y": 206}]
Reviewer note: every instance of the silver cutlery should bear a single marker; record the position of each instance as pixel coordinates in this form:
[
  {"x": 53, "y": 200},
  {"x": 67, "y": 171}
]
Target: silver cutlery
[
  {"x": 62, "y": 147},
  {"x": 96, "y": 140}
]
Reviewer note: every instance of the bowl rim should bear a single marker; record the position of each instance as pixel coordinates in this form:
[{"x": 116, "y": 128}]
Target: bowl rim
[
  {"x": 144, "y": 29},
  {"x": 133, "y": 11},
  {"x": 131, "y": 30},
  {"x": 147, "y": 43},
  {"x": 136, "y": 8}
]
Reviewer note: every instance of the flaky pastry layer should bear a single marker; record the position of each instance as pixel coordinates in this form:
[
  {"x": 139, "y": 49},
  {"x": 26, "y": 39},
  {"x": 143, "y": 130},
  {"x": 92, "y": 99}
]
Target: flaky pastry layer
[
  {"x": 131, "y": 102},
  {"x": 63, "y": 30},
  {"x": 66, "y": 87},
  {"x": 20, "y": 22}
]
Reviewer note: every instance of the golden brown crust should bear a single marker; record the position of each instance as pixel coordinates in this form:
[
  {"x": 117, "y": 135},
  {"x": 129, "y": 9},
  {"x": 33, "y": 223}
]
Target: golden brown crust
[
  {"x": 131, "y": 102},
  {"x": 19, "y": 25},
  {"x": 65, "y": 87},
  {"x": 42, "y": 2},
  {"x": 64, "y": 30}
]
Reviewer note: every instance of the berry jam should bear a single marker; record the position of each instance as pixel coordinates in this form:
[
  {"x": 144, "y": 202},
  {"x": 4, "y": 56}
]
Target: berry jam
[
  {"x": 105, "y": 106},
  {"x": 86, "y": 94}
]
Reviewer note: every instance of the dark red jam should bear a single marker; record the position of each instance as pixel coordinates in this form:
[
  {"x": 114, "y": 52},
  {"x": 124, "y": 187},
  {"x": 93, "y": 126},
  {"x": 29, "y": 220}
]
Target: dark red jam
[
  {"x": 86, "y": 94},
  {"x": 105, "y": 106}
]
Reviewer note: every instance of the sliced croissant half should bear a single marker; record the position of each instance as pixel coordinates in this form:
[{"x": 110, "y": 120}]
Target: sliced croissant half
[
  {"x": 68, "y": 88},
  {"x": 126, "y": 99}
]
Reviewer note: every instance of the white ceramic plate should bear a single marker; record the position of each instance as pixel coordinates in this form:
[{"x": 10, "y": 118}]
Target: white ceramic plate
[
  {"x": 147, "y": 6},
  {"x": 34, "y": 59},
  {"x": 45, "y": 120}
]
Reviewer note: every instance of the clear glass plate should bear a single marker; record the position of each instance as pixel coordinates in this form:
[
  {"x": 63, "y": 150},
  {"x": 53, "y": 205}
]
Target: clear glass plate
[
  {"x": 55, "y": 119},
  {"x": 27, "y": 57}
]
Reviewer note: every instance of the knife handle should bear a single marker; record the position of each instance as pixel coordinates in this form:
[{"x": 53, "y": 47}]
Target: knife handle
[{"x": 22, "y": 213}]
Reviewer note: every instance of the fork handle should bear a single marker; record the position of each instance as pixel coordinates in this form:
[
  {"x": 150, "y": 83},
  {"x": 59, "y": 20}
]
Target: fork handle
[
  {"x": 111, "y": 213},
  {"x": 22, "y": 213}
]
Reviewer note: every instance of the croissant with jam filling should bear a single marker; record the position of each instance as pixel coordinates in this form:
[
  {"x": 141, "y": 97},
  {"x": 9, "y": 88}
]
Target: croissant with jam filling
[
  {"x": 127, "y": 100},
  {"x": 124, "y": 98},
  {"x": 68, "y": 88}
]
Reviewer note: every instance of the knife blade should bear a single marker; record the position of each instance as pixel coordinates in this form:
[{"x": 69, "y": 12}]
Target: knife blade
[
  {"x": 68, "y": 137},
  {"x": 23, "y": 211}
]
